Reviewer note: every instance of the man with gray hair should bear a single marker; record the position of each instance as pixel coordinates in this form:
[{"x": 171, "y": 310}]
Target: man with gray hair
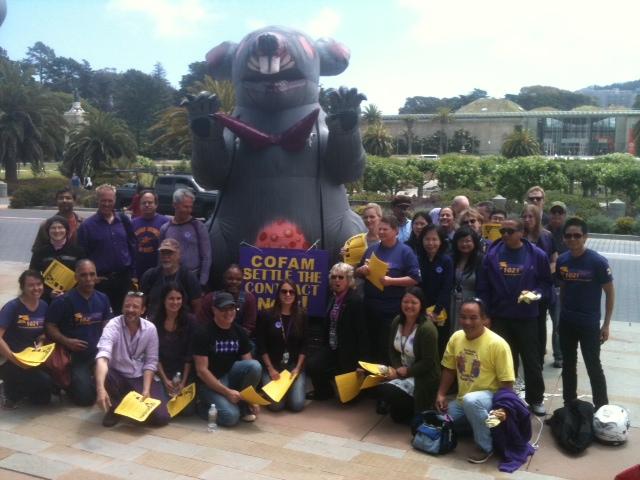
[
  {"x": 191, "y": 234},
  {"x": 108, "y": 239}
]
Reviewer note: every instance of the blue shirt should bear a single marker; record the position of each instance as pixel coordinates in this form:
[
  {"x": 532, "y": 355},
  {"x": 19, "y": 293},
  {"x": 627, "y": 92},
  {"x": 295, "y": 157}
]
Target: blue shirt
[
  {"x": 402, "y": 263},
  {"x": 22, "y": 326},
  {"x": 81, "y": 318},
  {"x": 109, "y": 245},
  {"x": 147, "y": 234},
  {"x": 404, "y": 231},
  {"x": 582, "y": 279}
]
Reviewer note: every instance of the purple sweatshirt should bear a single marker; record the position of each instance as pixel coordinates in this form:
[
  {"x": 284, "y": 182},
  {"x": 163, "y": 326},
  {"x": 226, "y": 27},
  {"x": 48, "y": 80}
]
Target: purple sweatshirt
[
  {"x": 195, "y": 246},
  {"x": 493, "y": 289},
  {"x": 511, "y": 438}
]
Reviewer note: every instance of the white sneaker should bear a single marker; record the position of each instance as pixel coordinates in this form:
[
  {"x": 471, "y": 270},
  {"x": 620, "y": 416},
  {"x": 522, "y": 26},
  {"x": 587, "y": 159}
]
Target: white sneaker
[
  {"x": 538, "y": 409},
  {"x": 249, "y": 417}
]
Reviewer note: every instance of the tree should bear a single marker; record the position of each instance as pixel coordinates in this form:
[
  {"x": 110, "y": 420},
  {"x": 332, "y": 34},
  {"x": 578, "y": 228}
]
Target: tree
[
  {"x": 97, "y": 144},
  {"x": 138, "y": 98},
  {"x": 172, "y": 131},
  {"x": 432, "y": 104},
  {"x": 515, "y": 176},
  {"x": 624, "y": 178},
  {"x": 41, "y": 57},
  {"x": 197, "y": 71},
  {"x": 372, "y": 114},
  {"x": 408, "y": 133},
  {"x": 32, "y": 127},
  {"x": 377, "y": 141},
  {"x": 443, "y": 117},
  {"x": 521, "y": 143},
  {"x": 382, "y": 175}
]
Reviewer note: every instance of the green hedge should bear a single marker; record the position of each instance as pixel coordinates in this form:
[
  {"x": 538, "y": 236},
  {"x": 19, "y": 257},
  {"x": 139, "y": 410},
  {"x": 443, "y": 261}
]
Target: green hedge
[{"x": 36, "y": 192}]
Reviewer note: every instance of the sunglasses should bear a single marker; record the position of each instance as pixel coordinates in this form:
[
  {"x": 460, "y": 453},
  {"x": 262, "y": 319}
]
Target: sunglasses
[
  {"x": 135, "y": 294},
  {"x": 337, "y": 277},
  {"x": 287, "y": 292},
  {"x": 471, "y": 220},
  {"x": 536, "y": 199},
  {"x": 507, "y": 231},
  {"x": 573, "y": 236}
]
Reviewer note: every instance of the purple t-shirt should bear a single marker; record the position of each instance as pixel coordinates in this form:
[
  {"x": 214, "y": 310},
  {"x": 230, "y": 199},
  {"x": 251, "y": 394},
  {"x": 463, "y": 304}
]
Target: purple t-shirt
[
  {"x": 147, "y": 234},
  {"x": 22, "y": 326}
]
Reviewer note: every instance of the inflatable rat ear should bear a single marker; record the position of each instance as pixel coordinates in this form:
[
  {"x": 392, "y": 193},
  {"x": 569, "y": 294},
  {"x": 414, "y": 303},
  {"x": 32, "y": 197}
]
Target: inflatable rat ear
[
  {"x": 334, "y": 56},
  {"x": 220, "y": 60}
]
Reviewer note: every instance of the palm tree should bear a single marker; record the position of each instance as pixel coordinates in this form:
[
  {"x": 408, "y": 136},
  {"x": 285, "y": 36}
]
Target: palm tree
[
  {"x": 372, "y": 114},
  {"x": 443, "y": 117},
  {"x": 376, "y": 141},
  {"x": 32, "y": 127},
  {"x": 173, "y": 122},
  {"x": 521, "y": 143},
  {"x": 97, "y": 144},
  {"x": 408, "y": 133}
]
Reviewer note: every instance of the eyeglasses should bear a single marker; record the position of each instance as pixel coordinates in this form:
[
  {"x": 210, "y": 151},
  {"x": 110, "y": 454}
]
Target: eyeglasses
[
  {"x": 507, "y": 231},
  {"x": 573, "y": 236},
  {"x": 135, "y": 294},
  {"x": 337, "y": 277},
  {"x": 167, "y": 252},
  {"x": 287, "y": 292},
  {"x": 536, "y": 199}
]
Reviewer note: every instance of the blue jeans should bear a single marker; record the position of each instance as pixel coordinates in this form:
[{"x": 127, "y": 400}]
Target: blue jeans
[
  {"x": 242, "y": 374},
  {"x": 294, "y": 399},
  {"x": 473, "y": 411}
]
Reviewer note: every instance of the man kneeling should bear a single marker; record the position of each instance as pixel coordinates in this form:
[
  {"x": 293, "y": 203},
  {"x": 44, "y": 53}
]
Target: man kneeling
[
  {"x": 482, "y": 361},
  {"x": 222, "y": 358},
  {"x": 127, "y": 360}
]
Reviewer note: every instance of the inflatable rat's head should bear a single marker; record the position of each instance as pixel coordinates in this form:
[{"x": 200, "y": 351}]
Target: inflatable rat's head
[{"x": 276, "y": 68}]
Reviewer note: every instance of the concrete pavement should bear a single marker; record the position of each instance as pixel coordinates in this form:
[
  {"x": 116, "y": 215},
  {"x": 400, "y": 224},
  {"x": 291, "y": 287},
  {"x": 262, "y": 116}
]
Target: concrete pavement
[{"x": 327, "y": 441}]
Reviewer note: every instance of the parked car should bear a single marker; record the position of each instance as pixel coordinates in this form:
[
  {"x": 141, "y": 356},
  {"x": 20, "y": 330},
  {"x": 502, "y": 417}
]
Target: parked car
[{"x": 164, "y": 187}]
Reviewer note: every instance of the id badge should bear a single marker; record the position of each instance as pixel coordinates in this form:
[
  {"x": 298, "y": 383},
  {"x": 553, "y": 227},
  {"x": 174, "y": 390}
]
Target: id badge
[{"x": 285, "y": 358}]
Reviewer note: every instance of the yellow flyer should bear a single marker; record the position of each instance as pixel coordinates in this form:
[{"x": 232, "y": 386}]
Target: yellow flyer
[
  {"x": 371, "y": 381},
  {"x": 59, "y": 277},
  {"x": 276, "y": 389},
  {"x": 377, "y": 269},
  {"x": 442, "y": 316},
  {"x": 180, "y": 401},
  {"x": 374, "y": 368},
  {"x": 32, "y": 357},
  {"x": 250, "y": 395},
  {"x": 133, "y": 406},
  {"x": 348, "y": 385},
  {"x": 491, "y": 231}
]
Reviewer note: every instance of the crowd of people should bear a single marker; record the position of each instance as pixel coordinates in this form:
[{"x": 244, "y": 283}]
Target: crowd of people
[{"x": 454, "y": 316}]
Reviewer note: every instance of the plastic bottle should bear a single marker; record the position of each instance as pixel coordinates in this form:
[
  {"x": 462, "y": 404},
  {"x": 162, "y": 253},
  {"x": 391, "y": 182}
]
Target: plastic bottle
[
  {"x": 212, "y": 418},
  {"x": 177, "y": 378}
]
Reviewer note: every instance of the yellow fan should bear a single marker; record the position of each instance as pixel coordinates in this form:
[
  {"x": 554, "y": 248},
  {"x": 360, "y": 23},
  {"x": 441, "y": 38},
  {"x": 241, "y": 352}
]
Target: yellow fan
[{"x": 442, "y": 316}]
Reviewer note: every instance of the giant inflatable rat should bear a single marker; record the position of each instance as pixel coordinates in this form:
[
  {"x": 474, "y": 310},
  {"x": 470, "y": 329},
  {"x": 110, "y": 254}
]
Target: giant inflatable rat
[{"x": 279, "y": 161}]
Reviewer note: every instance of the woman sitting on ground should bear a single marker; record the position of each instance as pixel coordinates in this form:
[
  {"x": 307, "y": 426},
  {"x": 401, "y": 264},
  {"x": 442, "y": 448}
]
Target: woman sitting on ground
[
  {"x": 175, "y": 330},
  {"x": 414, "y": 373},
  {"x": 281, "y": 341},
  {"x": 22, "y": 326}
]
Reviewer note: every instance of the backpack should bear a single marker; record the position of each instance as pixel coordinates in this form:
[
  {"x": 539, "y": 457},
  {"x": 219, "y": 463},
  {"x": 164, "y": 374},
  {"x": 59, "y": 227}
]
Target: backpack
[
  {"x": 572, "y": 426},
  {"x": 433, "y": 433}
]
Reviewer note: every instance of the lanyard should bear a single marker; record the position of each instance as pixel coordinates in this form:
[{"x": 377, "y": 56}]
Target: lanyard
[
  {"x": 128, "y": 345},
  {"x": 284, "y": 337}
]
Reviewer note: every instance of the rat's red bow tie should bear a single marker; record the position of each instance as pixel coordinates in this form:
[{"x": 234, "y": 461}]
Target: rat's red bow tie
[{"x": 291, "y": 139}]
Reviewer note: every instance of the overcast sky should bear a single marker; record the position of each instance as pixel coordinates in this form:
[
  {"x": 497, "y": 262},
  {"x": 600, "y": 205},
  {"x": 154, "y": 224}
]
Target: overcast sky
[{"x": 399, "y": 48}]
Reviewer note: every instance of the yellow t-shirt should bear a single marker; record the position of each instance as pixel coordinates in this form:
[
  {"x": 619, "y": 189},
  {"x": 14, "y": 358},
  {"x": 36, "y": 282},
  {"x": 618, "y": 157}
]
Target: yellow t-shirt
[{"x": 481, "y": 363}]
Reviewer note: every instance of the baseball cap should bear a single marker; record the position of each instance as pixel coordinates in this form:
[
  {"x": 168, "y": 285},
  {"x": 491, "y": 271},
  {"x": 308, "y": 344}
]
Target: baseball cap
[
  {"x": 170, "y": 244},
  {"x": 401, "y": 200},
  {"x": 561, "y": 205},
  {"x": 224, "y": 300}
]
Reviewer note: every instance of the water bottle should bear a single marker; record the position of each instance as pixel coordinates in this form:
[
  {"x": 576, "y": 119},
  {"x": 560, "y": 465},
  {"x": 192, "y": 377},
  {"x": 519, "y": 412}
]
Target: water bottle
[
  {"x": 177, "y": 378},
  {"x": 212, "y": 418}
]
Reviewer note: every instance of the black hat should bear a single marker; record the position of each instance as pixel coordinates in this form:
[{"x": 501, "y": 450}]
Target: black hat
[{"x": 224, "y": 300}]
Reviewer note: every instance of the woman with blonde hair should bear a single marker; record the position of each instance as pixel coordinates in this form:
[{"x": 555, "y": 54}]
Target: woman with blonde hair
[
  {"x": 543, "y": 239},
  {"x": 371, "y": 215},
  {"x": 345, "y": 339}
]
